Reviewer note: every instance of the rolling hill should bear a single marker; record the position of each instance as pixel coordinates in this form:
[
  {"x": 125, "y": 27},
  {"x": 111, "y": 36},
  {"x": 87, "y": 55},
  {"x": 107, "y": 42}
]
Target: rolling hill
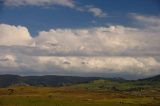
[
  {"x": 47, "y": 80},
  {"x": 96, "y": 83}
]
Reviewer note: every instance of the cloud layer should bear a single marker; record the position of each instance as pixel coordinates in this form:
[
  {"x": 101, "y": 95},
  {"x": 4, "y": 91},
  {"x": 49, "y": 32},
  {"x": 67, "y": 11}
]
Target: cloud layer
[
  {"x": 67, "y": 3},
  {"x": 100, "y": 51}
]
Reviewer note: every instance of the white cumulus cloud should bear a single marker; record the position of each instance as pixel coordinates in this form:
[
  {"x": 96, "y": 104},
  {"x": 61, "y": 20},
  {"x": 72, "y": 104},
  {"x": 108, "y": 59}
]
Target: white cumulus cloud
[
  {"x": 100, "y": 51},
  {"x": 14, "y": 35},
  {"x": 113, "y": 40}
]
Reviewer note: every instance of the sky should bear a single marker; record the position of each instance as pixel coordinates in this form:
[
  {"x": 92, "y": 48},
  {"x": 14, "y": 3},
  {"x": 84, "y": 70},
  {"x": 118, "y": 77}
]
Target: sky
[{"x": 103, "y": 38}]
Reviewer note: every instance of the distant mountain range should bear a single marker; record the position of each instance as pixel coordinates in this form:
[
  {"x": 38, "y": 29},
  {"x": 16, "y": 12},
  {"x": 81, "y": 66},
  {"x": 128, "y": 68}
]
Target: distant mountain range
[
  {"x": 152, "y": 79},
  {"x": 47, "y": 80},
  {"x": 53, "y": 80}
]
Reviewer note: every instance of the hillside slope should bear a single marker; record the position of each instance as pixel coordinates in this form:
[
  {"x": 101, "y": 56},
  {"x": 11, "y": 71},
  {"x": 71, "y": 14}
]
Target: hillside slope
[
  {"x": 48, "y": 80},
  {"x": 97, "y": 83}
]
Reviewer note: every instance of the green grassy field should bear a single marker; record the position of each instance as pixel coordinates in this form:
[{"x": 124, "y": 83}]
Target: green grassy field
[{"x": 71, "y": 96}]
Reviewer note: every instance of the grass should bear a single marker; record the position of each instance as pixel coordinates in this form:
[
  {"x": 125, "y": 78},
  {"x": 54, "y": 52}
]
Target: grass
[
  {"x": 107, "y": 85},
  {"x": 71, "y": 96}
]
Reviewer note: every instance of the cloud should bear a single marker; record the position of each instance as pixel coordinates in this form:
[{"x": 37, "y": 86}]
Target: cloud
[
  {"x": 97, "y": 12},
  {"x": 113, "y": 40},
  {"x": 149, "y": 22},
  {"x": 68, "y": 3},
  {"x": 14, "y": 35},
  {"x": 7, "y": 61},
  {"x": 85, "y": 66},
  {"x": 99, "y": 51},
  {"x": 136, "y": 66},
  {"x": 153, "y": 20}
]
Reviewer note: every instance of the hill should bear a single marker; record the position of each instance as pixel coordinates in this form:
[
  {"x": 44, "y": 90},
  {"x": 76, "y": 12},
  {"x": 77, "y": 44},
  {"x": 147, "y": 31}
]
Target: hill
[
  {"x": 82, "y": 91},
  {"x": 152, "y": 79},
  {"x": 151, "y": 83},
  {"x": 97, "y": 83},
  {"x": 47, "y": 80}
]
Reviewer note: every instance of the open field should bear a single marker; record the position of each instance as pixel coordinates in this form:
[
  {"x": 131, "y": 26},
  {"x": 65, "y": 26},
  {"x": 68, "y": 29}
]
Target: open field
[{"x": 70, "y": 96}]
